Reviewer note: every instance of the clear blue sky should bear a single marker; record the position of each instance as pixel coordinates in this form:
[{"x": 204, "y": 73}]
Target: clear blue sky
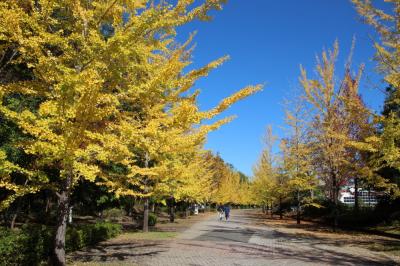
[{"x": 267, "y": 41}]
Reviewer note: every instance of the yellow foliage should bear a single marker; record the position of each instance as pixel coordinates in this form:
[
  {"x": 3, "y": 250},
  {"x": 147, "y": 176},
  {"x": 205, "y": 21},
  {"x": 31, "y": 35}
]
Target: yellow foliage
[
  {"x": 110, "y": 99},
  {"x": 385, "y": 146}
]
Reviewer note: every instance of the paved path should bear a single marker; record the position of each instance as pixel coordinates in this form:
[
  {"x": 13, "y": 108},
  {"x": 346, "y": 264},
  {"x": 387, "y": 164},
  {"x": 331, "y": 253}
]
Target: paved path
[{"x": 239, "y": 242}]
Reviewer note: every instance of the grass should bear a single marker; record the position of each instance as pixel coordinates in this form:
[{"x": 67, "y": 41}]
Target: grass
[
  {"x": 388, "y": 229},
  {"x": 395, "y": 231},
  {"x": 108, "y": 263},
  {"x": 389, "y": 248},
  {"x": 147, "y": 236},
  {"x": 393, "y": 228}
]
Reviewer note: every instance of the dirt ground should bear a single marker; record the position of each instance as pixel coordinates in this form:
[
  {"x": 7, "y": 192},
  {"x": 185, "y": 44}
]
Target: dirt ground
[{"x": 387, "y": 245}]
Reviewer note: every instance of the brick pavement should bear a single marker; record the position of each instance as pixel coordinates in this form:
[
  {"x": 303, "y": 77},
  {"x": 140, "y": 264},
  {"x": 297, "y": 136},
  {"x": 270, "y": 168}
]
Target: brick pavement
[{"x": 236, "y": 242}]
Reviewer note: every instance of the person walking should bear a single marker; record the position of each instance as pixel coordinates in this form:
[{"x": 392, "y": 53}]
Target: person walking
[
  {"x": 220, "y": 212},
  {"x": 227, "y": 210}
]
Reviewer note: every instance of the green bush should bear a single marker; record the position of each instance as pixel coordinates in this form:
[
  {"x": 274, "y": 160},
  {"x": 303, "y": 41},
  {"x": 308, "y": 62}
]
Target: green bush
[
  {"x": 364, "y": 217},
  {"x": 113, "y": 214},
  {"x": 39, "y": 242},
  {"x": 90, "y": 234},
  {"x": 31, "y": 245},
  {"x": 103, "y": 231},
  {"x": 163, "y": 209},
  {"x": 75, "y": 239},
  {"x": 10, "y": 242},
  {"x": 152, "y": 219}
]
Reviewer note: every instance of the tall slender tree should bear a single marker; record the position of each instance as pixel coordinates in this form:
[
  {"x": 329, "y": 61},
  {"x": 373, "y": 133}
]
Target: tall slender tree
[
  {"x": 269, "y": 185},
  {"x": 330, "y": 129},
  {"x": 297, "y": 154}
]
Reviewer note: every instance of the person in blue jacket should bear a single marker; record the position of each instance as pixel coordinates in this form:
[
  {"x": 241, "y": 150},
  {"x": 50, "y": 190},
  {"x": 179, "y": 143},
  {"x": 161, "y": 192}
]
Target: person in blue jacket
[{"x": 227, "y": 210}]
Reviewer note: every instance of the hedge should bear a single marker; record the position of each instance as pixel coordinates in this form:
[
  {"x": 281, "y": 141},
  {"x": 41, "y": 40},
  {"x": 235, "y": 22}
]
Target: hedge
[
  {"x": 31, "y": 244},
  {"x": 90, "y": 234}
]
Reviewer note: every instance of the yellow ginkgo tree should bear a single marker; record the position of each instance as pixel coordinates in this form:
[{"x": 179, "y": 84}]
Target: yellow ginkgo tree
[
  {"x": 170, "y": 127},
  {"x": 266, "y": 188},
  {"x": 340, "y": 126},
  {"x": 297, "y": 154},
  {"x": 385, "y": 145},
  {"x": 109, "y": 76}
]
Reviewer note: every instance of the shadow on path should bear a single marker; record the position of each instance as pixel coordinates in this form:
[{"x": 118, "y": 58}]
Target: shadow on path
[
  {"x": 118, "y": 252},
  {"x": 238, "y": 242}
]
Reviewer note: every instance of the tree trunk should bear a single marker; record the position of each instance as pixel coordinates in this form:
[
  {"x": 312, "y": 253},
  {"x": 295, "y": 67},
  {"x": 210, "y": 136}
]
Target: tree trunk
[
  {"x": 280, "y": 209},
  {"x": 336, "y": 215},
  {"x": 70, "y": 215},
  {"x": 271, "y": 210},
  {"x": 146, "y": 199},
  {"x": 48, "y": 202},
  {"x": 146, "y": 215},
  {"x": 58, "y": 257},
  {"x": 19, "y": 203},
  {"x": 298, "y": 207},
  {"x": 14, "y": 218},
  {"x": 335, "y": 201},
  {"x": 153, "y": 207},
  {"x": 172, "y": 214},
  {"x": 356, "y": 203},
  {"x": 130, "y": 207},
  {"x": 171, "y": 209},
  {"x": 187, "y": 211},
  {"x": 15, "y": 215}
]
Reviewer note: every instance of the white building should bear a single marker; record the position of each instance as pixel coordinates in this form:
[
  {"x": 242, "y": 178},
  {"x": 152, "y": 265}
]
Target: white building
[{"x": 365, "y": 197}]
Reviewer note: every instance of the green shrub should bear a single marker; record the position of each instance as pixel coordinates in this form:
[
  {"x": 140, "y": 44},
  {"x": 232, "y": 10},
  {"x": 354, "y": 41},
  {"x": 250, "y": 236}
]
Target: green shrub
[
  {"x": 90, "y": 234},
  {"x": 113, "y": 214},
  {"x": 163, "y": 208},
  {"x": 75, "y": 239},
  {"x": 364, "y": 217},
  {"x": 39, "y": 242},
  {"x": 10, "y": 242},
  {"x": 31, "y": 244},
  {"x": 152, "y": 219},
  {"x": 103, "y": 231}
]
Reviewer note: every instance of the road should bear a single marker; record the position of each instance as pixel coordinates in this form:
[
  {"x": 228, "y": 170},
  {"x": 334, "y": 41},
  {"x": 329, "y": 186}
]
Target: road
[{"x": 239, "y": 241}]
